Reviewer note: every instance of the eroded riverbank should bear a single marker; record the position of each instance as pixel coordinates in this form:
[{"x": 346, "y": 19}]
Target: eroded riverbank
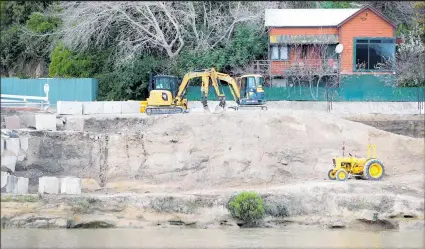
[{"x": 349, "y": 205}]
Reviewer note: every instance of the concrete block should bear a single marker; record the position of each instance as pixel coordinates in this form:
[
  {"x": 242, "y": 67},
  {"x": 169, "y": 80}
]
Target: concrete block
[
  {"x": 195, "y": 106},
  {"x": 130, "y": 106},
  {"x": 22, "y": 185},
  {"x": 112, "y": 107},
  {"x": 17, "y": 185},
  {"x": 11, "y": 184},
  {"x": 12, "y": 122},
  {"x": 27, "y": 120},
  {"x": 71, "y": 186},
  {"x": 69, "y": 108},
  {"x": 21, "y": 156},
  {"x": 92, "y": 107},
  {"x": 2, "y": 145},
  {"x": 48, "y": 185},
  {"x": 8, "y": 160},
  {"x": 74, "y": 123},
  {"x": 13, "y": 145},
  {"x": 24, "y": 143},
  {"x": 4, "y": 176},
  {"x": 45, "y": 122}
]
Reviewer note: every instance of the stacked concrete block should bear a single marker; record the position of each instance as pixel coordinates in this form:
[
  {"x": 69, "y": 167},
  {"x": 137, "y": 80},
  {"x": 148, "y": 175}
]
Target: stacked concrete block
[
  {"x": 2, "y": 145},
  {"x": 4, "y": 176},
  {"x": 13, "y": 145},
  {"x": 69, "y": 108},
  {"x": 12, "y": 122},
  {"x": 92, "y": 108},
  {"x": 71, "y": 186},
  {"x": 8, "y": 160},
  {"x": 48, "y": 185},
  {"x": 28, "y": 120},
  {"x": 9, "y": 156},
  {"x": 16, "y": 185},
  {"x": 45, "y": 122},
  {"x": 75, "y": 123},
  {"x": 112, "y": 107},
  {"x": 130, "y": 106}
]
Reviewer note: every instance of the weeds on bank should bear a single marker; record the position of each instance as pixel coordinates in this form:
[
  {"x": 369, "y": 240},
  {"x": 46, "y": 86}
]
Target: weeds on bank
[
  {"x": 247, "y": 206},
  {"x": 83, "y": 205},
  {"x": 19, "y": 198}
]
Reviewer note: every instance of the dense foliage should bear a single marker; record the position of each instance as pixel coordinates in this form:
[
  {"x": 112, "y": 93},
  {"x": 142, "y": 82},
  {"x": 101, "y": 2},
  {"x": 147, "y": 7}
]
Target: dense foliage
[
  {"x": 119, "y": 43},
  {"x": 247, "y": 206}
]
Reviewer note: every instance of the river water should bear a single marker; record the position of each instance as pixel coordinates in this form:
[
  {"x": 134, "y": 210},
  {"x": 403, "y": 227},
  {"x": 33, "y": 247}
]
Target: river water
[{"x": 208, "y": 238}]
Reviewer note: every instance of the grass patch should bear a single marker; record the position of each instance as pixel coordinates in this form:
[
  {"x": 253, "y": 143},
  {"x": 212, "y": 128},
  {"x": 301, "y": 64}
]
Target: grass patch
[{"x": 19, "y": 198}]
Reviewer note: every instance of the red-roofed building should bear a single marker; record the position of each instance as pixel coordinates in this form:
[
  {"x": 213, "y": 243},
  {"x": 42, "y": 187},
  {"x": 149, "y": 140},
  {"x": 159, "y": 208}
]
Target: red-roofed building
[{"x": 307, "y": 38}]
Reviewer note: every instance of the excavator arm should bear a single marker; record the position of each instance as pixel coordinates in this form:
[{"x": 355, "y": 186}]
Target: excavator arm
[
  {"x": 205, "y": 75},
  {"x": 234, "y": 89}
]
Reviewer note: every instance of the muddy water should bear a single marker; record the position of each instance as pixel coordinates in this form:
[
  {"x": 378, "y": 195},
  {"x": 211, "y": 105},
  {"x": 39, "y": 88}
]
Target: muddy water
[{"x": 211, "y": 238}]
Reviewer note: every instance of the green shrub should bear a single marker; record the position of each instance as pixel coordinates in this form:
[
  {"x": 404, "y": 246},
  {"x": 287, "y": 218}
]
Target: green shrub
[{"x": 247, "y": 206}]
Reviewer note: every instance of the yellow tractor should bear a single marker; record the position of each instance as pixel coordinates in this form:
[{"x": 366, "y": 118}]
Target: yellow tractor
[{"x": 368, "y": 168}]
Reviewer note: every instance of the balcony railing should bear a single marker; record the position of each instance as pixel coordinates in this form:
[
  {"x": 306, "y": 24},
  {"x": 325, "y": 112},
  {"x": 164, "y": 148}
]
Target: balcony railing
[{"x": 298, "y": 66}]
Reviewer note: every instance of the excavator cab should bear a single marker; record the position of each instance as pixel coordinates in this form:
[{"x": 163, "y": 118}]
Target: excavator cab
[
  {"x": 162, "y": 89},
  {"x": 251, "y": 87}
]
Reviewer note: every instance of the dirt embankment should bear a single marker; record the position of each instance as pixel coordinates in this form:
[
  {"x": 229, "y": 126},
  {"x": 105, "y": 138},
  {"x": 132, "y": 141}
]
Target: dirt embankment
[
  {"x": 407, "y": 125},
  {"x": 327, "y": 205},
  {"x": 200, "y": 159},
  {"x": 200, "y": 151}
]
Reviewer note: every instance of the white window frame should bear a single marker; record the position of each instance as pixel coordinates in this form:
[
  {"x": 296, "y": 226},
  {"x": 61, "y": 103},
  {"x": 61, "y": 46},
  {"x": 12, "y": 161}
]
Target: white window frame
[{"x": 280, "y": 52}]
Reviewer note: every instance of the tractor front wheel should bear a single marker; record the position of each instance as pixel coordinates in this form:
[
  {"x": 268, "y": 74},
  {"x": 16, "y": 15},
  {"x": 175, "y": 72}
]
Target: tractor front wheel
[
  {"x": 341, "y": 175},
  {"x": 373, "y": 170},
  {"x": 331, "y": 174}
]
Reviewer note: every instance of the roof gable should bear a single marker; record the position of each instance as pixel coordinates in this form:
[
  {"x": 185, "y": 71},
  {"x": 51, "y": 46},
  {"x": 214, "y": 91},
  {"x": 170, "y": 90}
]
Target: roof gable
[
  {"x": 371, "y": 9},
  {"x": 314, "y": 17},
  {"x": 306, "y": 17}
]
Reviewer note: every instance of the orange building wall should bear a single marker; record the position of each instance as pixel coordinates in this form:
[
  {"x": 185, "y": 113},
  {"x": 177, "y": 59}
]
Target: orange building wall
[
  {"x": 361, "y": 26},
  {"x": 277, "y": 67}
]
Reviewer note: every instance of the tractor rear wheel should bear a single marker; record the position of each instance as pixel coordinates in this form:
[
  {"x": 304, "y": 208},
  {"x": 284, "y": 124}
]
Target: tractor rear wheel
[
  {"x": 373, "y": 170},
  {"x": 341, "y": 175},
  {"x": 331, "y": 174}
]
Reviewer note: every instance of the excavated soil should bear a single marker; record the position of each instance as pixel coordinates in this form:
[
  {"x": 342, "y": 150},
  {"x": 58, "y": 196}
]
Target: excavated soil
[
  {"x": 180, "y": 170},
  {"x": 207, "y": 151}
]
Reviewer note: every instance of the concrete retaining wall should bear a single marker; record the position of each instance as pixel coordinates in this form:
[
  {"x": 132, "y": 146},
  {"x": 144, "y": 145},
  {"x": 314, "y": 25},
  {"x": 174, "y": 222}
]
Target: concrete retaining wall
[
  {"x": 98, "y": 107},
  {"x": 133, "y": 107}
]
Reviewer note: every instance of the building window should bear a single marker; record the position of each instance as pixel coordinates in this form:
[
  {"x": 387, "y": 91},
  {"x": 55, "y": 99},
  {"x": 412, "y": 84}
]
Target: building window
[
  {"x": 374, "y": 54},
  {"x": 279, "y": 52},
  {"x": 304, "y": 49}
]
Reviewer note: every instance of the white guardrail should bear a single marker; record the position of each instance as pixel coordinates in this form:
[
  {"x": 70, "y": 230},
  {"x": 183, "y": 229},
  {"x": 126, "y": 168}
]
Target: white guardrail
[{"x": 21, "y": 101}]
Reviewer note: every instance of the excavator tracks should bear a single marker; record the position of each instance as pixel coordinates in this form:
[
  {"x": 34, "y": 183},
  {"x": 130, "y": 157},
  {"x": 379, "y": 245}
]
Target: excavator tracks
[
  {"x": 249, "y": 107},
  {"x": 164, "y": 110}
]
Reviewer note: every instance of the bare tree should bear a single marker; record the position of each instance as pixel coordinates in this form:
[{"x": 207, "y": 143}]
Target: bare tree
[
  {"x": 411, "y": 60},
  {"x": 135, "y": 27},
  {"x": 397, "y": 11}
]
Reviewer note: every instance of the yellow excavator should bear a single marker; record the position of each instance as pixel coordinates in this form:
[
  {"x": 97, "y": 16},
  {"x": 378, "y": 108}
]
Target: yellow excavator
[
  {"x": 166, "y": 96},
  {"x": 247, "y": 90}
]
